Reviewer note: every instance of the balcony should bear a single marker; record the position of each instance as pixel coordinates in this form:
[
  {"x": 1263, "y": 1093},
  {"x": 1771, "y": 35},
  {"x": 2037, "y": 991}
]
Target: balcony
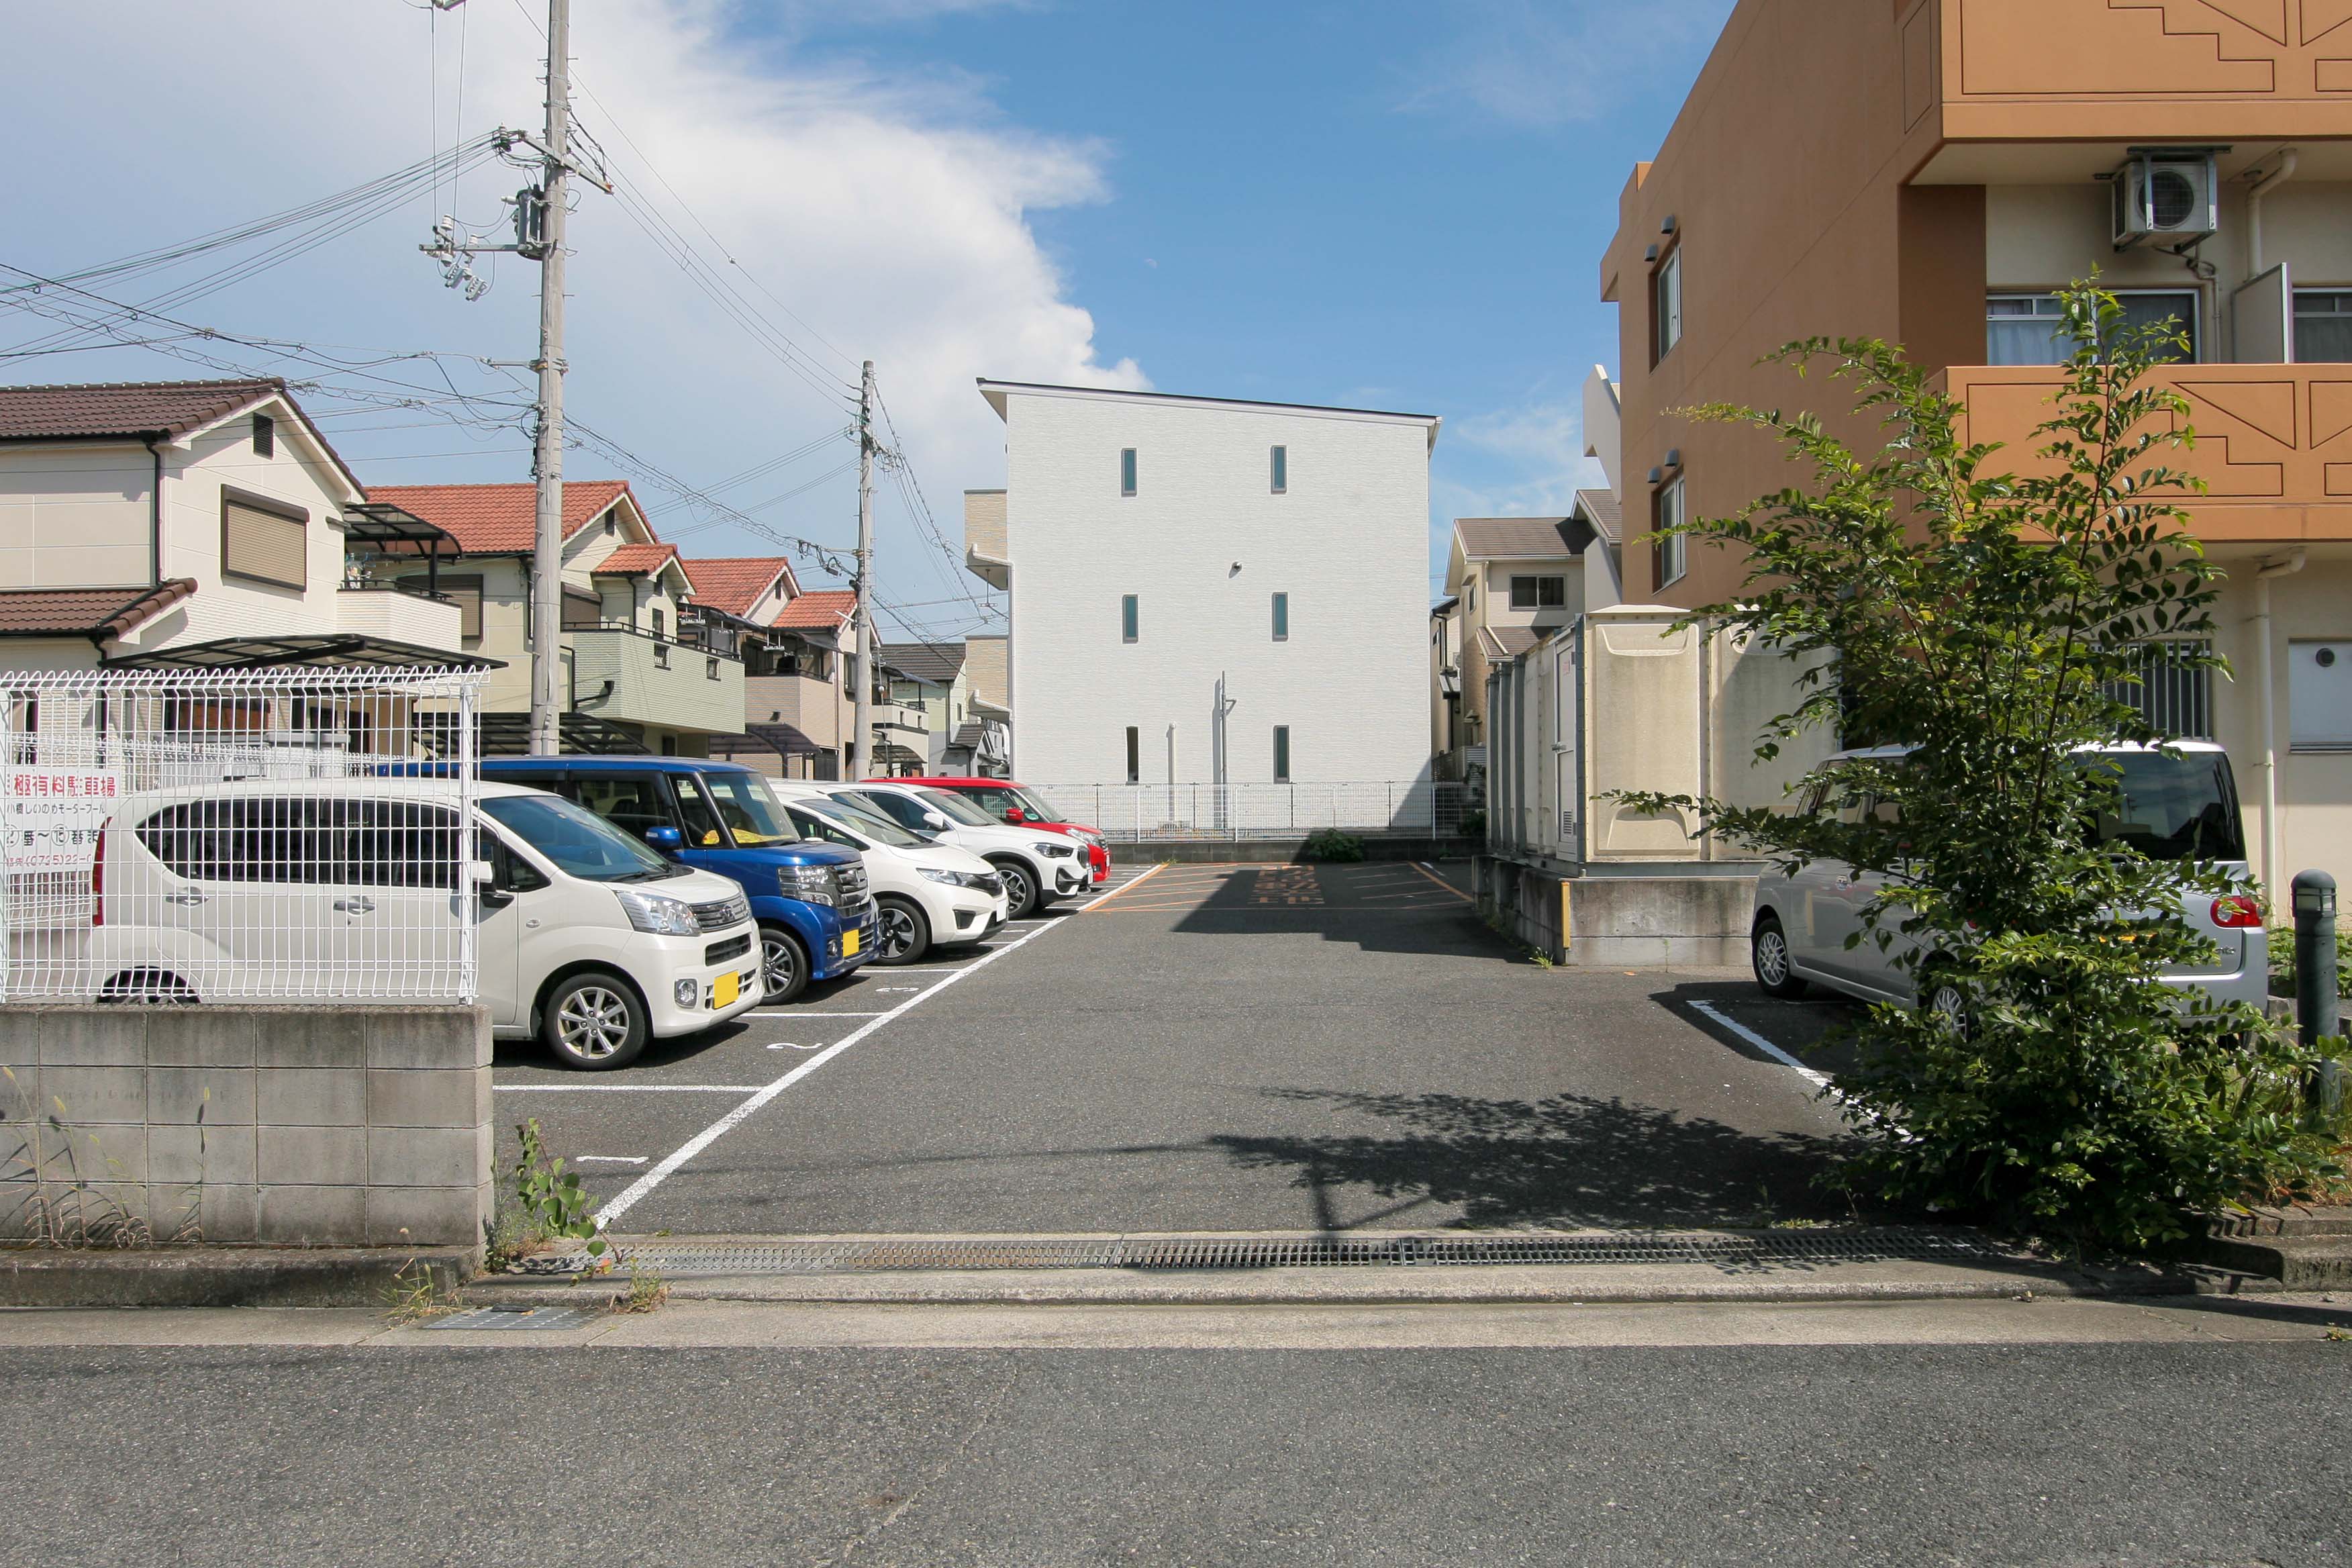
[
  {"x": 987, "y": 546},
  {"x": 2273, "y": 441},
  {"x": 634, "y": 678},
  {"x": 397, "y": 615},
  {"x": 2126, "y": 70},
  {"x": 908, "y": 715}
]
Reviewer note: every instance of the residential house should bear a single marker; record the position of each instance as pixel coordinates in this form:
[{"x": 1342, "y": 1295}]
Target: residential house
[
  {"x": 201, "y": 525},
  {"x": 961, "y": 741},
  {"x": 737, "y": 600},
  {"x": 1508, "y": 580},
  {"x": 987, "y": 680},
  {"x": 1209, "y": 590},
  {"x": 798, "y": 694},
  {"x": 638, "y": 675},
  {"x": 1951, "y": 164},
  {"x": 1445, "y": 685}
]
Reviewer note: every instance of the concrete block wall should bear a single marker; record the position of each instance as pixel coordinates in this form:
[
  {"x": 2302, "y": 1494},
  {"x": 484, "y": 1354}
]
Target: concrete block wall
[
  {"x": 283, "y": 1126},
  {"x": 1618, "y": 921}
]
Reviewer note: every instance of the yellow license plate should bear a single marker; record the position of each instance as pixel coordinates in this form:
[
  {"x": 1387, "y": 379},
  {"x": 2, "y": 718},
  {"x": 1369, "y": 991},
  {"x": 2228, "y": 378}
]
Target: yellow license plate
[
  {"x": 849, "y": 941},
  {"x": 724, "y": 990}
]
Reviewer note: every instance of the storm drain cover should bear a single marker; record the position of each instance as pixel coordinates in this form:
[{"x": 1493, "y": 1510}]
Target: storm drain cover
[
  {"x": 884, "y": 1254},
  {"x": 516, "y": 1319}
]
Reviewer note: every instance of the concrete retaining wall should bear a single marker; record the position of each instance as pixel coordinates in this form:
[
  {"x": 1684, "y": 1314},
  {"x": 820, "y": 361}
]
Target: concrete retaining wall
[
  {"x": 1618, "y": 921},
  {"x": 287, "y": 1126}
]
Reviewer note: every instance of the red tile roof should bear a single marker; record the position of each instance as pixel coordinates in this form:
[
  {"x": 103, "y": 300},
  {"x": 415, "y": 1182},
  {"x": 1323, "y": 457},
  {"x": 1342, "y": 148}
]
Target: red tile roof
[
  {"x": 731, "y": 585},
  {"x": 822, "y": 611},
  {"x": 637, "y": 560},
  {"x": 500, "y": 519},
  {"x": 87, "y": 612},
  {"x": 126, "y": 408}
]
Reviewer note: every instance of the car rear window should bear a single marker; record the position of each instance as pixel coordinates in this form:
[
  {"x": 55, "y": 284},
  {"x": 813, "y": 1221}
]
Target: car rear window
[{"x": 2182, "y": 806}]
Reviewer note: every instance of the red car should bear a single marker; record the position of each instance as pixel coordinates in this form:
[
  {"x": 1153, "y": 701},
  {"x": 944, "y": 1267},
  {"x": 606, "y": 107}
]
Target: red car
[{"x": 1007, "y": 801}]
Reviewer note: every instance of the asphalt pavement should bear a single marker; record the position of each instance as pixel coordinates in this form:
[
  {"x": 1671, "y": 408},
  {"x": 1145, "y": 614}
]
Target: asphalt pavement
[
  {"x": 1206, "y": 1047},
  {"x": 2147, "y": 1455}
]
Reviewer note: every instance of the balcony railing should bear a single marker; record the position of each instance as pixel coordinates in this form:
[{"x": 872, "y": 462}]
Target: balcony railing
[
  {"x": 2273, "y": 441},
  {"x": 633, "y": 676}
]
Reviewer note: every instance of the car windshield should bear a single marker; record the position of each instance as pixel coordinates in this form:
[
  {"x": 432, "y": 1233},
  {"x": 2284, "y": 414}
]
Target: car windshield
[
  {"x": 580, "y": 842},
  {"x": 750, "y": 810},
  {"x": 859, "y": 820},
  {"x": 1033, "y": 806},
  {"x": 2180, "y": 806},
  {"x": 955, "y": 808}
]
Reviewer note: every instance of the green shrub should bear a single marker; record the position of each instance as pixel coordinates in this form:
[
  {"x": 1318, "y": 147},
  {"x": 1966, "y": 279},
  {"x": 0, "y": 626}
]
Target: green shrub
[
  {"x": 1997, "y": 624},
  {"x": 1333, "y": 844},
  {"x": 1473, "y": 824},
  {"x": 2282, "y": 961}
]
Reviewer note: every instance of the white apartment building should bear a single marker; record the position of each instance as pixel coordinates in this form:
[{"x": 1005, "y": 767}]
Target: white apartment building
[{"x": 1209, "y": 590}]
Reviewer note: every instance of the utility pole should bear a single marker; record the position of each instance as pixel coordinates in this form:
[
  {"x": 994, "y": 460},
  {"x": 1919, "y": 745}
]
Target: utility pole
[
  {"x": 861, "y": 758},
  {"x": 547, "y": 453}
]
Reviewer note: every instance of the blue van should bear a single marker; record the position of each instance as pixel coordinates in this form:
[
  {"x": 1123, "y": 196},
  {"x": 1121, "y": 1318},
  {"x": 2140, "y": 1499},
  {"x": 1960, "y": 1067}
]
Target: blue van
[{"x": 816, "y": 915}]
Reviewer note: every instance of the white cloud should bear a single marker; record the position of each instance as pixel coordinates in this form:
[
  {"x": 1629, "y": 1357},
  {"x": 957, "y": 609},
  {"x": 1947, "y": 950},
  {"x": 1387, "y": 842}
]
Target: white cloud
[
  {"x": 1539, "y": 67},
  {"x": 1528, "y": 461},
  {"x": 889, "y": 212}
]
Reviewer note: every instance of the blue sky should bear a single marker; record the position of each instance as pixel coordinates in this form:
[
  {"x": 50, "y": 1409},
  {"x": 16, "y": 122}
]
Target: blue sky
[{"x": 1370, "y": 202}]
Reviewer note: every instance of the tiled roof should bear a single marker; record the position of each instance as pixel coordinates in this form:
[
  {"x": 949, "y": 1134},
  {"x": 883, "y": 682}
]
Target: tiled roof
[
  {"x": 497, "y": 520},
  {"x": 937, "y": 663},
  {"x": 637, "y": 560},
  {"x": 166, "y": 408},
  {"x": 87, "y": 612},
  {"x": 1607, "y": 514},
  {"x": 1516, "y": 538},
  {"x": 731, "y": 585},
  {"x": 823, "y": 611}
]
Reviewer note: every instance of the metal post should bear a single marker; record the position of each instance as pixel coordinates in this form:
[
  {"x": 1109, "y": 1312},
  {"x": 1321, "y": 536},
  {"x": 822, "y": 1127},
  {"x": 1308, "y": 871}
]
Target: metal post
[
  {"x": 2315, "y": 980},
  {"x": 861, "y": 754},
  {"x": 547, "y": 462}
]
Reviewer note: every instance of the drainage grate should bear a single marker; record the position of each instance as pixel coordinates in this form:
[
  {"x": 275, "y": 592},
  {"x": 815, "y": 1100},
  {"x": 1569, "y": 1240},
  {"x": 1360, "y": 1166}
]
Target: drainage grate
[
  {"x": 516, "y": 1318},
  {"x": 865, "y": 1255}
]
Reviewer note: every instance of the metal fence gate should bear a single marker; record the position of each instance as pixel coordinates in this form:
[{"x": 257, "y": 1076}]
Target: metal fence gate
[{"x": 272, "y": 834}]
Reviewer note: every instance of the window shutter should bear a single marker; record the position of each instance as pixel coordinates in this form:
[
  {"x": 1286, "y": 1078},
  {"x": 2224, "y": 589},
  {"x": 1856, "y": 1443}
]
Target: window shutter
[{"x": 267, "y": 546}]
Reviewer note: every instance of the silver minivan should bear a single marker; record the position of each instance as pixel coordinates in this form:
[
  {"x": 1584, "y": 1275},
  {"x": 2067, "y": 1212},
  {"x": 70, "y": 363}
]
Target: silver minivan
[{"x": 2178, "y": 802}]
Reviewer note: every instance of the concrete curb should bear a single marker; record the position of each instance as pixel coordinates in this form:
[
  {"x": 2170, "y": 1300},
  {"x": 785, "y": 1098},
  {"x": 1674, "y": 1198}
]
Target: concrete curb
[{"x": 224, "y": 1276}]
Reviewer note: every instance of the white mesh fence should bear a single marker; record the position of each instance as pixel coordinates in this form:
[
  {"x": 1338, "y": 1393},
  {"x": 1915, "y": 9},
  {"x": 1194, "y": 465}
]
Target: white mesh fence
[
  {"x": 1416, "y": 808},
  {"x": 261, "y": 836}
]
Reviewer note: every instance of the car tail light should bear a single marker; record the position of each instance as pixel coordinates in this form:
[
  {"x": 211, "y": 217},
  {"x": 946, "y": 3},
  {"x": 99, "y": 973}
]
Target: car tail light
[
  {"x": 2236, "y": 911},
  {"x": 98, "y": 884}
]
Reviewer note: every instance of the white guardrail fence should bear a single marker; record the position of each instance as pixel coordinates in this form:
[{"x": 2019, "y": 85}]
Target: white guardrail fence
[
  {"x": 1411, "y": 808},
  {"x": 250, "y": 836}
]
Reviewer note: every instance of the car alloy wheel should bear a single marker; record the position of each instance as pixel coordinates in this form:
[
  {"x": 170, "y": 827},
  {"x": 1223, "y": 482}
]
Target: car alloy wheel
[
  {"x": 1948, "y": 1004},
  {"x": 594, "y": 1022},
  {"x": 894, "y": 934},
  {"x": 1020, "y": 890},
  {"x": 1772, "y": 956},
  {"x": 782, "y": 971}
]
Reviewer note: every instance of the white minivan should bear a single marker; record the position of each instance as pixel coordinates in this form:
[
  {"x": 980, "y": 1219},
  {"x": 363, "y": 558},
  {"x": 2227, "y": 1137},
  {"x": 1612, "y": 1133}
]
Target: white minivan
[
  {"x": 273, "y": 889},
  {"x": 926, "y": 895},
  {"x": 1038, "y": 866},
  {"x": 2178, "y": 801}
]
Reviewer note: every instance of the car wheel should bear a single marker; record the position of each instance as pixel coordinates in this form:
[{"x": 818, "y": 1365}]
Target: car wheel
[
  {"x": 148, "y": 987},
  {"x": 1942, "y": 999},
  {"x": 1020, "y": 889},
  {"x": 594, "y": 1022},
  {"x": 901, "y": 935},
  {"x": 783, "y": 964},
  {"x": 1767, "y": 951}
]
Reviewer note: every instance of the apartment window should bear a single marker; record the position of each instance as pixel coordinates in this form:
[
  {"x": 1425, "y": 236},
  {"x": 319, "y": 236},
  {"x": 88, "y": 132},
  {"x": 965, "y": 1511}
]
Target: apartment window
[
  {"x": 1127, "y": 471},
  {"x": 1666, "y": 305},
  {"x": 1281, "y": 617},
  {"x": 265, "y": 436},
  {"x": 1666, "y": 554},
  {"x": 264, "y": 540},
  {"x": 2027, "y": 329},
  {"x": 1282, "y": 753},
  {"x": 2322, "y": 326},
  {"x": 2175, "y": 697},
  {"x": 1134, "y": 754},
  {"x": 1126, "y": 618},
  {"x": 581, "y": 610},
  {"x": 1539, "y": 592},
  {"x": 467, "y": 590},
  {"x": 2319, "y": 696},
  {"x": 1278, "y": 470},
  {"x": 658, "y": 623}
]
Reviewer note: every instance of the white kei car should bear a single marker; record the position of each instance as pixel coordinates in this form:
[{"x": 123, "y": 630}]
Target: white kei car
[
  {"x": 359, "y": 889},
  {"x": 1038, "y": 866},
  {"x": 926, "y": 895}
]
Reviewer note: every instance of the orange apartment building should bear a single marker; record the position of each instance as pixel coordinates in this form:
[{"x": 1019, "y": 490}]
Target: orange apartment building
[{"x": 1926, "y": 171}]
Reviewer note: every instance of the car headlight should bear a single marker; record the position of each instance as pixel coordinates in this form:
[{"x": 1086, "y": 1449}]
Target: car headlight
[
  {"x": 1059, "y": 851},
  {"x": 953, "y": 878},
  {"x": 658, "y": 914},
  {"x": 809, "y": 883}
]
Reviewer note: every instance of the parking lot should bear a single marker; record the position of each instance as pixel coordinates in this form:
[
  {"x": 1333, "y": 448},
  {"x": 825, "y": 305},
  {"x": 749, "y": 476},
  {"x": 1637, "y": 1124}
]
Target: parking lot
[{"x": 1208, "y": 1047}]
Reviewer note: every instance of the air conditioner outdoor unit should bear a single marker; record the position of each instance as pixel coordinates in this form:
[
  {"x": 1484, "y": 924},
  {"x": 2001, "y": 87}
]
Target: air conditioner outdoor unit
[{"x": 2165, "y": 194}]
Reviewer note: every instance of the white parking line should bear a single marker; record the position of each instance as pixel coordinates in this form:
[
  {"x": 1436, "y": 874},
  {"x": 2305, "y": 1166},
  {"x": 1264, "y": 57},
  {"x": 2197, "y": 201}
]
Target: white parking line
[
  {"x": 635, "y": 1193},
  {"x": 800, "y": 1014},
  {"x": 610, "y": 1159},
  {"x": 1760, "y": 1042},
  {"x": 627, "y": 1088}
]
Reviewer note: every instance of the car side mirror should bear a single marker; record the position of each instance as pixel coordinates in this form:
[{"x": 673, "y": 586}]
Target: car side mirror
[
  {"x": 1012, "y": 813},
  {"x": 935, "y": 822},
  {"x": 668, "y": 840}
]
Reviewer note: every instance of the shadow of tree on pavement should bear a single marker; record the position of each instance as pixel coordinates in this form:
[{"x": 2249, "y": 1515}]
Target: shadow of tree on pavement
[{"x": 1563, "y": 1161}]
